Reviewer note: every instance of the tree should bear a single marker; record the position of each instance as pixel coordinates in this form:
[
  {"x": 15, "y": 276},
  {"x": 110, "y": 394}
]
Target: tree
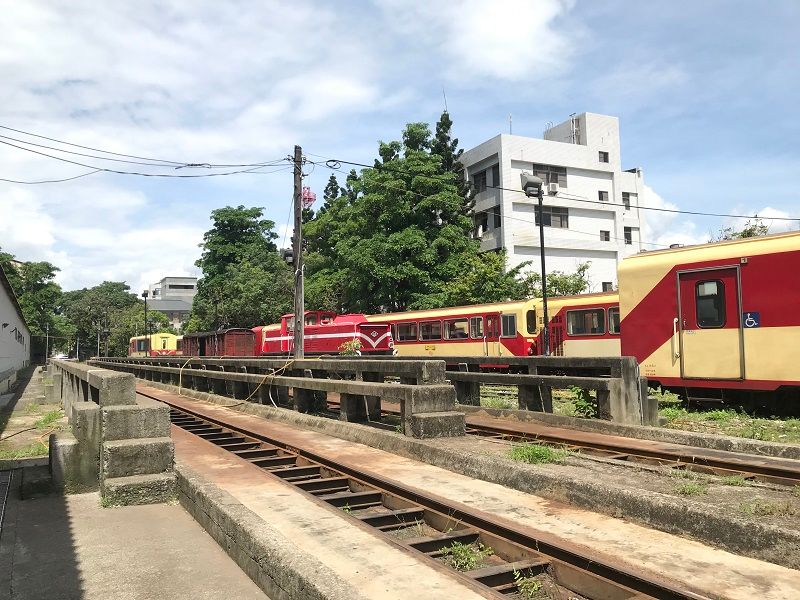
[
  {"x": 558, "y": 283},
  {"x": 752, "y": 228},
  {"x": 245, "y": 282}
]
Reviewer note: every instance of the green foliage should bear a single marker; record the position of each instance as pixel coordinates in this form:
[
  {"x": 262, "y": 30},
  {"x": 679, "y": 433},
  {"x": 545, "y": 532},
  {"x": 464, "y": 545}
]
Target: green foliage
[
  {"x": 528, "y": 586},
  {"x": 752, "y": 228},
  {"x": 537, "y": 454},
  {"x": 664, "y": 396},
  {"x": 245, "y": 282},
  {"x": 466, "y": 557},
  {"x": 585, "y": 405},
  {"x": 764, "y": 508},
  {"x": 47, "y": 420},
  {"x": 34, "y": 449},
  {"x": 691, "y": 488},
  {"x": 721, "y": 415},
  {"x": 734, "y": 480},
  {"x": 558, "y": 282},
  {"x": 350, "y": 347}
]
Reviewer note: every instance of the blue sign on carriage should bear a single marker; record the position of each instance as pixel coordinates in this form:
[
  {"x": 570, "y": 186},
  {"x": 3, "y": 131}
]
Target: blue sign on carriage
[{"x": 751, "y": 320}]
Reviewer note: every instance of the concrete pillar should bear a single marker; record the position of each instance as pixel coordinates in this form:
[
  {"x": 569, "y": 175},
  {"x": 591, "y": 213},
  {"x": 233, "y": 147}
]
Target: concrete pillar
[
  {"x": 373, "y": 403},
  {"x": 537, "y": 398},
  {"x": 353, "y": 408},
  {"x": 308, "y": 401},
  {"x": 468, "y": 392}
]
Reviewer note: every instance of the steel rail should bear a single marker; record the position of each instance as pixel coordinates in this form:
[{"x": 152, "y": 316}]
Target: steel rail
[{"x": 566, "y": 561}]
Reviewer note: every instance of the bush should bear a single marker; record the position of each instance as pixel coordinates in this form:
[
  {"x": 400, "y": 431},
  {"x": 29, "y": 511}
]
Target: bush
[{"x": 585, "y": 405}]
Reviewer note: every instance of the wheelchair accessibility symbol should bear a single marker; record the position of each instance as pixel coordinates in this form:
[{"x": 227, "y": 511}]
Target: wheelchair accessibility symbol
[{"x": 751, "y": 320}]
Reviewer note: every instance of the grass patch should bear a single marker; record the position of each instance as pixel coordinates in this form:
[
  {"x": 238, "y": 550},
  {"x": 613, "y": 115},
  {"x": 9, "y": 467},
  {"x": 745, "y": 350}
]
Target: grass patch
[
  {"x": 497, "y": 402},
  {"x": 466, "y": 557},
  {"x": 33, "y": 408},
  {"x": 732, "y": 423},
  {"x": 762, "y": 508},
  {"x": 691, "y": 488},
  {"x": 528, "y": 587},
  {"x": 736, "y": 480},
  {"x": 47, "y": 420},
  {"x": 537, "y": 454},
  {"x": 35, "y": 449},
  {"x": 682, "y": 474}
]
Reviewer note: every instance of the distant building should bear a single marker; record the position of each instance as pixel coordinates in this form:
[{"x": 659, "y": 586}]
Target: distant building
[
  {"x": 592, "y": 216},
  {"x": 173, "y": 296},
  {"x": 15, "y": 337}
]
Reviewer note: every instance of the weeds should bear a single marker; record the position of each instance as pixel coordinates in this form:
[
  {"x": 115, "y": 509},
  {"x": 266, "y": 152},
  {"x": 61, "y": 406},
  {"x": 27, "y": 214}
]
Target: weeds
[
  {"x": 35, "y": 449},
  {"x": 32, "y": 408},
  {"x": 497, "y": 402},
  {"x": 761, "y": 508},
  {"x": 527, "y": 586},
  {"x": 537, "y": 454},
  {"x": 682, "y": 474},
  {"x": 691, "y": 488},
  {"x": 664, "y": 396},
  {"x": 466, "y": 557},
  {"x": 50, "y": 418},
  {"x": 585, "y": 405},
  {"x": 737, "y": 480},
  {"x": 346, "y": 508},
  {"x": 721, "y": 415}
]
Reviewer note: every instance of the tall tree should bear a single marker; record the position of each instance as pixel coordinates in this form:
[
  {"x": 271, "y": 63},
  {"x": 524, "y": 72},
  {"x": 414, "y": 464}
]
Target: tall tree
[
  {"x": 245, "y": 282},
  {"x": 752, "y": 228}
]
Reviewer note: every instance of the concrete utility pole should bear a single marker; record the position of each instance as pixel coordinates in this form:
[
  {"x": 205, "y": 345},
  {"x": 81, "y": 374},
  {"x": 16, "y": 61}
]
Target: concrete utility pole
[
  {"x": 46, "y": 342},
  {"x": 297, "y": 251}
]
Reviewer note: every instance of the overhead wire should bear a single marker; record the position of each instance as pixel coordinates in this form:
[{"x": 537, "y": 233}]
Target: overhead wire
[{"x": 380, "y": 167}]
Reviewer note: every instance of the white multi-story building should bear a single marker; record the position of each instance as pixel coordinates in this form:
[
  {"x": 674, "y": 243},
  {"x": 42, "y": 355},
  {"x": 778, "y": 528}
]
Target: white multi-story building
[
  {"x": 173, "y": 296},
  {"x": 591, "y": 206}
]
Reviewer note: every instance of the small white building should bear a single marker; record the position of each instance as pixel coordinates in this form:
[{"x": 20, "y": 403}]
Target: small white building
[
  {"x": 15, "y": 337},
  {"x": 173, "y": 296},
  {"x": 591, "y": 206}
]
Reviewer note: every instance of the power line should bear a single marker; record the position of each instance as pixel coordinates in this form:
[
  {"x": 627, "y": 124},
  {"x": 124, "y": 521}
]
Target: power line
[
  {"x": 50, "y": 180},
  {"x": 106, "y": 170},
  {"x": 379, "y": 167},
  {"x": 176, "y": 164}
]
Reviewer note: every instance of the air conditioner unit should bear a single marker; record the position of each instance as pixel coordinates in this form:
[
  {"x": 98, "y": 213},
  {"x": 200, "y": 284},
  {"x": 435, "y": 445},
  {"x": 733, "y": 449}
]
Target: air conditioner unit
[{"x": 552, "y": 189}]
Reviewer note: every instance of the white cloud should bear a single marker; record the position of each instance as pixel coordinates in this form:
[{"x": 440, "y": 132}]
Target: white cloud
[
  {"x": 660, "y": 228},
  {"x": 504, "y": 39}
]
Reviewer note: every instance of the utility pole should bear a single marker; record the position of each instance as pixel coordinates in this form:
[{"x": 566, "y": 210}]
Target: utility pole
[
  {"x": 532, "y": 186},
  {"x": 297, "y": 251},
  {"x": 46, "y": 342}
]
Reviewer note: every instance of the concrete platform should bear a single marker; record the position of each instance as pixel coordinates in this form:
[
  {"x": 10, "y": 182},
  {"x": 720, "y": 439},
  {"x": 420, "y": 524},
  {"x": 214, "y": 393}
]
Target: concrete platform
[
  {"x": 69, "y": 548},
  {"x": 709, "y": 571}
]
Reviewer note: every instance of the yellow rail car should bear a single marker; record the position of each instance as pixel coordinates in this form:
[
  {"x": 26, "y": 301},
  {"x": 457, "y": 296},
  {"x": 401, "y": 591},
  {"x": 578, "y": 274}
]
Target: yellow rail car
[
  {"x": 160, "y": 344},
  {"x": 720, "y": 316},
  {"x": 583, "y": 325}
]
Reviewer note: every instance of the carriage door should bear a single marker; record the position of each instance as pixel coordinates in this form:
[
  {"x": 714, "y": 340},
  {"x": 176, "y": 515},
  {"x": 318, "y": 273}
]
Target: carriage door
[
  {"x": 709, "y": 319},
  {"x": 493, "y": 335}
]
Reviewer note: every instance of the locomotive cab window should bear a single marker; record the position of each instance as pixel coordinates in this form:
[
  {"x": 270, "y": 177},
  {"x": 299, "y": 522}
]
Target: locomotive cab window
[
  {"x": 586, "y": 322},
  {"x": 530, "y": 318},
  {"x": 613, "y": 320},
  {"x": 430, "y": 330},
  {"x": 710, "y": 304},
  {"x": 455, "y": 329},
  {"x": 406, "y": 332},
  {"x": 509, "y": 326},
  {"x": 163, "y": 343},
  {"x": 476, "y": 328}
]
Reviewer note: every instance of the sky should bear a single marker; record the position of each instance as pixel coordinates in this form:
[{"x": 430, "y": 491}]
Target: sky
[{"x": 706, "y": 94}]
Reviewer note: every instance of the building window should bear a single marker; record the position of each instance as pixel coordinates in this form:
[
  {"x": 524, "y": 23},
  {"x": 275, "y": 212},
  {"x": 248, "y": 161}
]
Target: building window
[
  {"x": 626, "y": 200},
  {"x": 605, "y": 236},
  {"x": 496, "y": 176},
  {"x": 479, "y": 181},
  {"x": 586, "y": 322},
  {"x": 406, "y": 332},
  {"x": 553, "y": 216},
  {"x": 509, "y": 326},
  {"x": 497, "y": 219},
  {"x": 481, "y": 223},
  {"x": 608, "y": 286},
  {"x": 430, "y": 330},
  {"x": 603, "y": 156},
  {"x": 180, "y": 287},
  {"x": 710, "y": 304},
  {"x": 629, "y": 235},
  {"x": 551, "y": 174},
  {"x": 613, "y": 320},
  {"x": 603, "y": 196}
]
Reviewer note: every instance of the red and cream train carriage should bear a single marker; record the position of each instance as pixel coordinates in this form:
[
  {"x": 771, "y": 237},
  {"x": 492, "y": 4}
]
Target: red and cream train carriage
[{"x": 718, "y": 318}]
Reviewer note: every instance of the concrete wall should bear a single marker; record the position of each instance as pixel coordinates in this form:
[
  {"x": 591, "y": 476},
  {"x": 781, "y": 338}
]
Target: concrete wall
[{"x": 15, "y": 337}]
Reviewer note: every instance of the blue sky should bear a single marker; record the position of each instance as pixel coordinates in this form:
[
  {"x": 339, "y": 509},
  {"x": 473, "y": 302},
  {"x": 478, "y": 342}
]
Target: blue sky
[{"x": 706, "y": 94}]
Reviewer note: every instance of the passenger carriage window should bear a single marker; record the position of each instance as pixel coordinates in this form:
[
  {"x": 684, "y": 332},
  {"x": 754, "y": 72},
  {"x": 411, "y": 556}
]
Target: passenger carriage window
[
  {"x": 509, "y": 323},
  {"x": 407, "y": 332},
  {"x": 455, "y": 329},
  {"x": 311, "y": 319},
  {"x": 710, "y": 304},
  {"x": 586, "y": 322},
  {"x": 613, "y": 320},
  {"x": 163, "y": 343},
  {"x": 476, "y": 328},
  {"x": 430, "y": 330},
  {"x": 530, "y": 319}
]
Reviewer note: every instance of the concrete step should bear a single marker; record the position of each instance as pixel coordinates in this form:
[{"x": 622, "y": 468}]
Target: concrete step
[
  {"x": 435, "y": 424},
  {"x": 121, "y": 458},
  {"x": 138, "y": 489},
  {"x": 145, "y": 419},
  {"x": 36, "y": 482}
]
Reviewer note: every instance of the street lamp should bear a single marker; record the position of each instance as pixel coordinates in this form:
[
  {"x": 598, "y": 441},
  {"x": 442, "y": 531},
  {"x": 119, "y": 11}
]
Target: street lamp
[
  {"x": 532, "y": 186},
  {"x": 146, "y": 328}
]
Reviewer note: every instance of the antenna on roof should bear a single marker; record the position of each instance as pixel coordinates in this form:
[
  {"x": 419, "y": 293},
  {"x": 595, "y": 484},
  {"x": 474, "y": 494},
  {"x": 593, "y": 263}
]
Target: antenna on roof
[
  {"x": 445, "y": 100},
  {"x": 510, "y": 120}
]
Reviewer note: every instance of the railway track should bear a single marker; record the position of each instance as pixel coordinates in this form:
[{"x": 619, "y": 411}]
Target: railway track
[
  {"x": 764, "y": 469},
  {"x": 504, "y": 560}
]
